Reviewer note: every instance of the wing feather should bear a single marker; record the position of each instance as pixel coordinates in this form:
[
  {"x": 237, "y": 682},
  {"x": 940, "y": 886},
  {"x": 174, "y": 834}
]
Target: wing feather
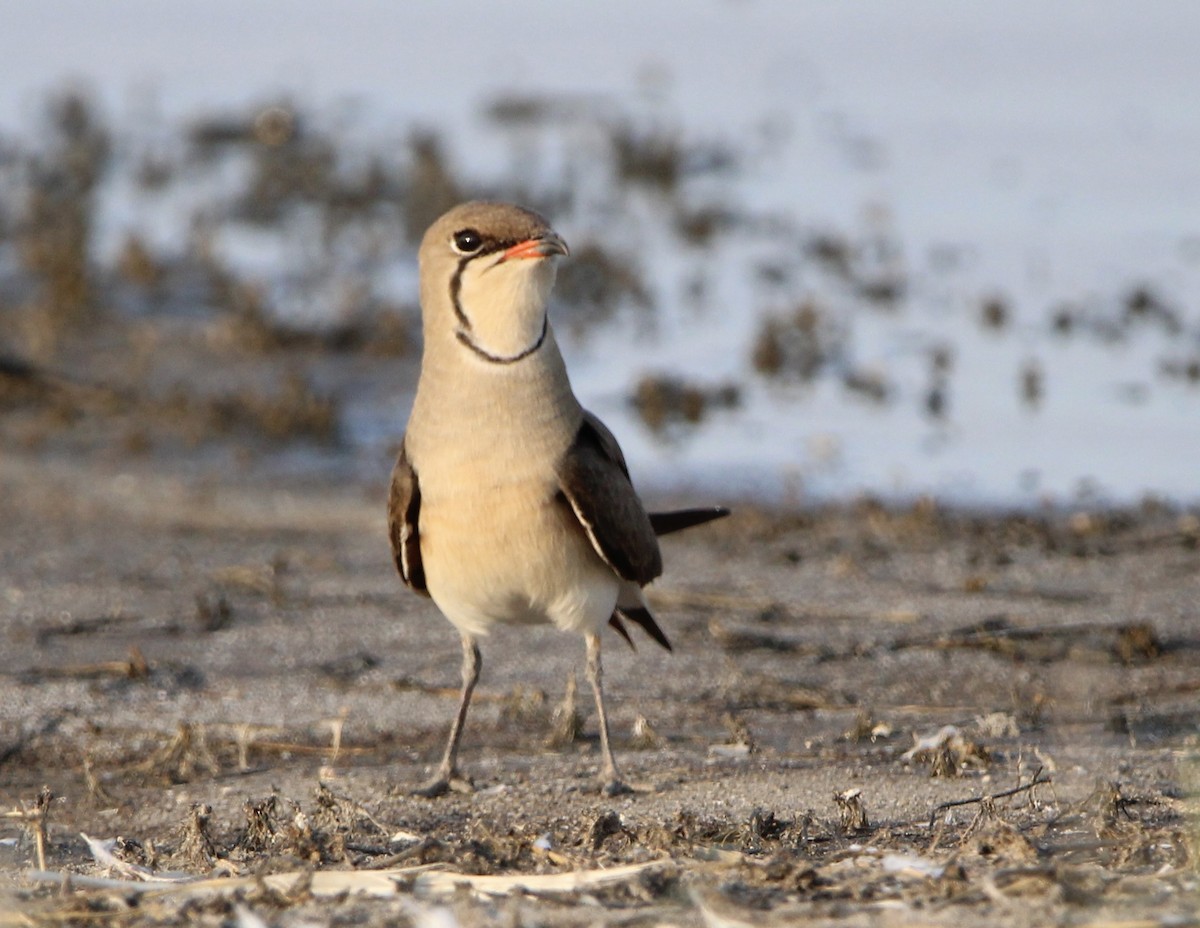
[
  {"x": 594, "y": 480},
  {"x": 641, "y": 616},
  {"x": 615, "y": 621},
  {"x": 678, "y": 519},
  {"x": 404, "y": 523}
]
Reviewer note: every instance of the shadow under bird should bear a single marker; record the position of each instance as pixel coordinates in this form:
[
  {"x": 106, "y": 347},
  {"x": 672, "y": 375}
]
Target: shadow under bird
[{"x": 511, "y": 503}]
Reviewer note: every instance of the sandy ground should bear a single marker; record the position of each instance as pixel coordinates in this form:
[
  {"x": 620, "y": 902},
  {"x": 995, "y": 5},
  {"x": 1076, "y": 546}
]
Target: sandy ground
[{"x": 224, "y": 674}]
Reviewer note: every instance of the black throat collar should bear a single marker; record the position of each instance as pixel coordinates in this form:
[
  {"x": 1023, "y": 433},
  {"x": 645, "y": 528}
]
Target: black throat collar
[{"x": 464, "y": 336}]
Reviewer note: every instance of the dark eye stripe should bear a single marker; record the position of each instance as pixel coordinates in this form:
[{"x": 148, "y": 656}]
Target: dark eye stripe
[
  {"x": 491, "y": 246},
  {"x": 487, "y": 245}
]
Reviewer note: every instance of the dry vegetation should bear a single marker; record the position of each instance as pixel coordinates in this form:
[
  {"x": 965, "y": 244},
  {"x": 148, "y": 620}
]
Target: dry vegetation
[
  {"x": 906, "y": 717},
  {"x": 215, "y": 697}
]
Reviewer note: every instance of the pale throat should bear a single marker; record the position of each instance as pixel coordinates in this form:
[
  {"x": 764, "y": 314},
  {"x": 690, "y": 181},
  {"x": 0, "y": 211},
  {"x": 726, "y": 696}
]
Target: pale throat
[{"x": 505, "y": 306}]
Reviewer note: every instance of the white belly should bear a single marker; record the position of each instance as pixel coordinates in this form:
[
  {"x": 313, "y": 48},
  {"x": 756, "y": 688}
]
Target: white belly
[{"x": 514, "y": 557}]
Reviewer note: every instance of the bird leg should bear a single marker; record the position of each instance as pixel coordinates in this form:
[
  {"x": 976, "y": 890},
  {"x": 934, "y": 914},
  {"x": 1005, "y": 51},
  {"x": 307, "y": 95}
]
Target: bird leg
[
  {"x": 613, "y": 785},
  {"x": 448, "y": 778}
]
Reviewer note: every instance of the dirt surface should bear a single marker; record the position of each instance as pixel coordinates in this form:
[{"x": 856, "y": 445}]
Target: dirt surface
[
  {"x": 216, "y": 697},
  {"x": 224, "y": 674}
]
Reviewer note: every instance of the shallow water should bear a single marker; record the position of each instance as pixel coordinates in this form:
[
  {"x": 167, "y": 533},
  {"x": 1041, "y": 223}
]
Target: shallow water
[{"x": 1043, "y": 157}]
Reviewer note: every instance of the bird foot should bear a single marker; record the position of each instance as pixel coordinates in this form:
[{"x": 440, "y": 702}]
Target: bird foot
[
  {"x": 445, "y": 783},
  {"x": 615, "y": 787}
]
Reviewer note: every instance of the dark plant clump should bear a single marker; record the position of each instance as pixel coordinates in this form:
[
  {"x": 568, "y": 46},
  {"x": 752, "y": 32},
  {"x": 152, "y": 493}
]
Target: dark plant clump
[
  {"x": 662, "y": 401},
  {"x": 798, "y": 345}
]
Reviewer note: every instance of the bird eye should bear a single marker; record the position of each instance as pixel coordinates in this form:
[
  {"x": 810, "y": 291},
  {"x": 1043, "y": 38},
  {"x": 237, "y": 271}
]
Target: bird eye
[{"x": 467, "y": 242}]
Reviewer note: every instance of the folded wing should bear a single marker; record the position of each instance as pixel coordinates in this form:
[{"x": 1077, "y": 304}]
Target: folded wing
[
  {"x": 593, "y": 479},
  {"x": 404, "y": 523}
]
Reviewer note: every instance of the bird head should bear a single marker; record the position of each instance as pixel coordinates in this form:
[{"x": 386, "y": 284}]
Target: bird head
[{"x": 486, "y": 277}]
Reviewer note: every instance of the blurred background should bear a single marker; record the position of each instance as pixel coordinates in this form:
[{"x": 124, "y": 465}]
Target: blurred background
[{"x": 819, "y": 250}]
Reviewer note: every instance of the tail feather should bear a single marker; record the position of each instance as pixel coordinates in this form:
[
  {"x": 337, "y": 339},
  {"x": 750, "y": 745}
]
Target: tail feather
[
  {"x": 641, "y": 616},
  {"x": 615, "y": 621},
  {"x": 664, "y": 523}
]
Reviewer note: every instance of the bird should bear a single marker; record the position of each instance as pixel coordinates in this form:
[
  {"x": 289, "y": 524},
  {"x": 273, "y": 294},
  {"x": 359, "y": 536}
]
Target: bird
[{"x": 509, "y": 502}]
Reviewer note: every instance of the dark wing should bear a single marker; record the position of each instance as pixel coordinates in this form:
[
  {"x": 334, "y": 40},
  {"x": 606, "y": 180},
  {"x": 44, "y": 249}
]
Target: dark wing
[
  {"x": 404, "y": 527},
  {"x": 667, "y": 522},
  {"x": 593, "y": 478},
  {"x": 641, "y": 616},
  {"x": 615, "y": 621}
]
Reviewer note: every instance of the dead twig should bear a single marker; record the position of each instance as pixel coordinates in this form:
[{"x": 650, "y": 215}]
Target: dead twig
[
  {"x": 87, "y": 626},
  {"x": 99, "y": 796},
  {"x": 1130, "y": 643},
  {"x": 1038, "y": 780},
  {"x": 566, "y": 724},
  {"x": 380, "y": 883},
  {"x": 739, "y": 640},
  {"x": 34, "y": 818},
  {"x": 135, "y": 667}
]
